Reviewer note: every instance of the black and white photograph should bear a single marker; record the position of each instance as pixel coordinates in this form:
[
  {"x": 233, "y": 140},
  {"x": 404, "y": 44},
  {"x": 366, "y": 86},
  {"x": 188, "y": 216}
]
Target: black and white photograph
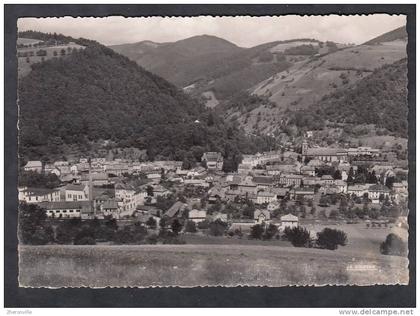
[{"x": 213, "y": 151}]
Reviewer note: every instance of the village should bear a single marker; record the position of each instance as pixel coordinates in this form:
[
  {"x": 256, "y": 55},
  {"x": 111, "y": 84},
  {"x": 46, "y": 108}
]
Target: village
[{"x": 280, "y": 188}]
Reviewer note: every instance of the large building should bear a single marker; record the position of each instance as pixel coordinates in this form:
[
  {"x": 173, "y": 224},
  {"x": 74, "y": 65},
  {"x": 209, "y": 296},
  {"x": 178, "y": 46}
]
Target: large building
[
  {"x": 326, "y": 154},
  {"x": 38, "y": 195}
]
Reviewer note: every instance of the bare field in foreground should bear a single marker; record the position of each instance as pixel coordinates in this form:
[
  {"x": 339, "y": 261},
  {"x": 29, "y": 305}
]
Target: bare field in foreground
[{"x": 201, "y": 265}]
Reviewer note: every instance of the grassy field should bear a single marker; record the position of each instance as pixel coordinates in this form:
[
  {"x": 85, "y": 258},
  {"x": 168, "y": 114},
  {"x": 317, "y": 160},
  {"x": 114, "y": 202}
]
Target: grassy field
[
  {"x": 24, "y": 67},
  {"x": 199, "y": 265}
]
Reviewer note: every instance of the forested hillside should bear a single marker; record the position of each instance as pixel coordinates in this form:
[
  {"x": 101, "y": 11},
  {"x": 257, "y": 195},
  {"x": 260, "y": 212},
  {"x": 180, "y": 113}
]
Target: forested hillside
[
  {"x": 98, "y": 95},
  {"x": 222, "y": 67},
  {"x": 380, "y": 99}
]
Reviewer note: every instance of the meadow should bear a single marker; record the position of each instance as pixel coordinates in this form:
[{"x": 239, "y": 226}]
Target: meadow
[{"x": 200, "y": 265}]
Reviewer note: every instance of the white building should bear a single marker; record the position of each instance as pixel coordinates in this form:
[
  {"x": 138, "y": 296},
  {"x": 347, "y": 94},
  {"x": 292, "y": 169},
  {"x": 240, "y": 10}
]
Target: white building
[
  {"x": 288, "y": 220},
  {"x": 265, "y": 197},
  {"x": 378, "y": 191},
  {"x": 74, "y": 192},
  {"x": 197, "y": 216},
  {"x": 38, "y": 195},
  {"x": 33, "y": 165}
]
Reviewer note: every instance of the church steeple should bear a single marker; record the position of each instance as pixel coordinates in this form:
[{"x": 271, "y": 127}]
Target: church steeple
[{"x": 304, "y": 147}]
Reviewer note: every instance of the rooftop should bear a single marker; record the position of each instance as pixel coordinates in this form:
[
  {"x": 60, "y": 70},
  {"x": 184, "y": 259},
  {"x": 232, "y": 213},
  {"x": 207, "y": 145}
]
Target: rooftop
[
  {"x": 289, "y": 218},
  {"x": 34, "y": 164}
]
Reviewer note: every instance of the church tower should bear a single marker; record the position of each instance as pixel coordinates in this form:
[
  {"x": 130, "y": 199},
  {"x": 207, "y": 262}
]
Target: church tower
[{"x": 304, "y": 148}]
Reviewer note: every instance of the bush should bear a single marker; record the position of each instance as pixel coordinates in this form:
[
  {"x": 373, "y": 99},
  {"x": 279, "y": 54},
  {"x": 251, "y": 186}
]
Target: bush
[
  {"x": 331, "y": 238},
  {"x": 65, "y": 233},
  {"x": 270, "y": 231},
  {"x": 152, "y": 239},
  {"x": 33, "y": 229},
  {"x": 394, "y": 246},
  {"x": 84, "y": 235},
  {"x": 124, "y": 236},
  {"x": 151, "y": 223},
  {"x": 176, "y": 226},
  {"x": 257, "y": 231},
  {"x": 217, "y": 228},
  {"x": 42, "y": 236},
  {"x": 174, "y": 240},
  {"x": 191, "y": 227},
  {"x": 298, "y": 236},
  {"x": 203, "y": 225},
  {"x": 139, "y": 233},
  {"x": 87, "y": 240}
]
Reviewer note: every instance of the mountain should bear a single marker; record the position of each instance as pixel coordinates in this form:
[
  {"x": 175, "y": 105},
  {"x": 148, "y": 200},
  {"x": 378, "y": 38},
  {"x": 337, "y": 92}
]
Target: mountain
[
  {"x": 97, "y": 96},
  {"x": 220, "y": 70},
  {"x": 179, "y": 62},
  {"x": 397, "y": 34},
  {"x": 379, "y": 99},
  {"x": 302, "y": 85}
]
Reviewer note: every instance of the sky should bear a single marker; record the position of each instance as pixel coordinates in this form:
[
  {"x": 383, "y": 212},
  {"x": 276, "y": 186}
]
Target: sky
[{"x": 244, "y": 31}]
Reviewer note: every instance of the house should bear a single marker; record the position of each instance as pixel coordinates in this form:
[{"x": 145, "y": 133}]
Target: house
[
  {"x": 358, "y": 190},
  {"x": 291, "y": 180},
  {"x": 213, "y": 160},
  {"x": 308, "y": 171},
  {"x": 273, "y": 205},
  {"x": 280, "y": 192},
  {"x": 311, "y": 181},
  {"x": 75, "y": 192},
  {"x": 197, "y": 172},
  {"x": 377, "y": 192},
  {"x": 281, "y": 167},
  {"x": 265, "y": 197},
  {"x": 69, "y": 209},
  {"x": 181, "y": 172},
  {"x": 159, "y": 190},
  {"x": 262, "y": 216},
  {"x": 175, "y": 210},
  {"x": 400, "y": 187},
  {"x": 128, "y": 198},
  {"x": 247, "y": 185},
  {"x": 110, "y": 208},
  {"x": 288, "y": 220},
  {"x": 363, "y": 151},
  {"x": 149, "y": 210},
  {"x": 244, "y": 168},
  {"x": 215, "y": 194},
  {"x": 305, "y": 193},
  {"x": 219, "y": 216},
  {"x": 263, "y": 182},
  {"x": 197, "y": 216},
  {"x": 33, "y": 165},
  {"x": 316, "y": 163},
  {"x": 116, "y": 169},
  {"x": 38, "y": 195},
  {"x": 98, "y": 179},
  {"x": 61, "y": 163},
  {"x": 70, "y": 178},
  {"x": 155, "y": 177},
  {"x": 50, "y": 168},
  {"x": 341, "y": 186},
  {"x": 327, "y": 179},
  {"x": 197, "y": 182}
]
